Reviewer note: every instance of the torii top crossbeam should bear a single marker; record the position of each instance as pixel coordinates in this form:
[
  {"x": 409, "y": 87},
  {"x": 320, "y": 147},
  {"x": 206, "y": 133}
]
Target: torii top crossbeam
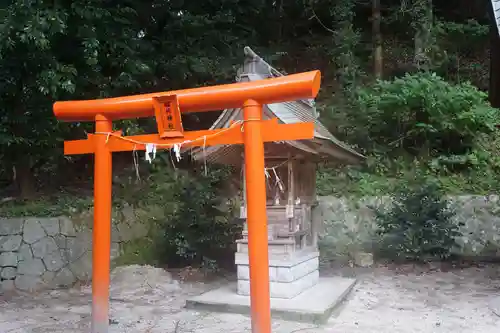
[
  {"x": 282, "y": 89},
  {"x": 167, "y": 107}
]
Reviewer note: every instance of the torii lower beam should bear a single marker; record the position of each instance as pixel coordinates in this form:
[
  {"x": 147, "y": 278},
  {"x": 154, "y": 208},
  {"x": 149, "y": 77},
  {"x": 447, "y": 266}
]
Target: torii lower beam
[
  {"x": 253, "y": 133},
  {"x": 271, "y": 131}
]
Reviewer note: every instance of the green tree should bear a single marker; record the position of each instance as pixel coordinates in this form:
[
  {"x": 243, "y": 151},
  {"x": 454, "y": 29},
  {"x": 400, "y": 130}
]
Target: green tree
[
  {"x": 422, "y": 115},
  {"x": 58, "y": 50}
]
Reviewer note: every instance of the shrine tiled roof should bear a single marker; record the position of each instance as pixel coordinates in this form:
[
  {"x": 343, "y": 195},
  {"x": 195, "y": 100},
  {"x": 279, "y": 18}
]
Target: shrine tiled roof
[{"x": 324, "y": 145}]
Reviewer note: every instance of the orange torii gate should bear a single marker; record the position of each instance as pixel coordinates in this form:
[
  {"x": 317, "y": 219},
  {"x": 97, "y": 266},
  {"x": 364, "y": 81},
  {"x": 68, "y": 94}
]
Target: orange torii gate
[{"x": 167, "y": 107}]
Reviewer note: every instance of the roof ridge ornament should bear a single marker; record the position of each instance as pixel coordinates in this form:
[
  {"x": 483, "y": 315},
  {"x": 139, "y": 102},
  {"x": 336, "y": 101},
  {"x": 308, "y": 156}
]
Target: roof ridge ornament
[
  {"x": 250, "y": 53},
  {"x": 256, "y": 65}
]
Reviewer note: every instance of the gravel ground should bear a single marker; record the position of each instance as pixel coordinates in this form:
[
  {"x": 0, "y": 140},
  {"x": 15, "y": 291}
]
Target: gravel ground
[{"x": 147, "y": 299}]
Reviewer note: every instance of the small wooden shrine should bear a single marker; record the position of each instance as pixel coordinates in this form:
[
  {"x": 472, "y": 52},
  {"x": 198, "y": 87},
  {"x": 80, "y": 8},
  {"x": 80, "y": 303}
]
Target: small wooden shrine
[{"x": 291, "y": 187}]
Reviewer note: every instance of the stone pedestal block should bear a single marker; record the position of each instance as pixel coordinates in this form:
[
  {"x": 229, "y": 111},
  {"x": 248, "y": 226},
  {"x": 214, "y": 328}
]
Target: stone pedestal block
[{"x": 288, "y": 275}]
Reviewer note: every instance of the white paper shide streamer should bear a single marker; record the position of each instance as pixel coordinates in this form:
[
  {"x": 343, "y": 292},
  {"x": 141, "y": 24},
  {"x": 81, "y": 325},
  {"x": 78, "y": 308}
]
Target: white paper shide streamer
[{"x": 150, "y": 150}]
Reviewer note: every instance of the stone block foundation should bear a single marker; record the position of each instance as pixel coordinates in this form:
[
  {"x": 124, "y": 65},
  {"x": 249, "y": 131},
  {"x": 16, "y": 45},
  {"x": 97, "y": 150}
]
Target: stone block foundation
[
  {"x": 315, "y": 305},
  {"x": 288, "y": 276}
]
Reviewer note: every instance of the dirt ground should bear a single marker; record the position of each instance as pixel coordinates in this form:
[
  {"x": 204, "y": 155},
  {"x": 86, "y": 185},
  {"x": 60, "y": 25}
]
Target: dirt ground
[{"x": 147, "y": 299}]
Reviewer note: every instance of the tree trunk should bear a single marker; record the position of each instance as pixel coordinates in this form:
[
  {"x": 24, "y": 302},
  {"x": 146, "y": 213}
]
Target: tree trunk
[
  {"x": 494, "y": 86},
  {"x": 377, "y": 40},
  {"x": 24, "y": 178},
  {"x": 423, "y": 34}
]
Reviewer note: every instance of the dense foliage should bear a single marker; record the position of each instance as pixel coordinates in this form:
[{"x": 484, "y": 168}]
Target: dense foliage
[
  {"x": 203, "y": 229},
  {"x": 59, "y": 50},
  {"x": 191, "y": 214},
  {"x": 426, "y": 116},
  {"x": 422, "y": 114},
  {"x": 86, "y": 49},
  {"x": 419, "y": 223},
  {"x": 422, "y": 123}
]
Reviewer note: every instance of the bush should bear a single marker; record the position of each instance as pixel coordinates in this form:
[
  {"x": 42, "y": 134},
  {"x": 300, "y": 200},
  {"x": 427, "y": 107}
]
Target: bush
[
  {"x": 203, "y": 229},
  {"x": 193, "y": 219},
  {"x": 419, "y": 225},
  {"x": 422, "y": 114},
  {"x": 420, "y": 123}
]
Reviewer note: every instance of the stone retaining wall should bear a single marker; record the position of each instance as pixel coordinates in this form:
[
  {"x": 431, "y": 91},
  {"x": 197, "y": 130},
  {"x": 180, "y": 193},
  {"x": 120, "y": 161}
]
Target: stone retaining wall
[
  {"x": 38, "y": 253},
  {"x": 348, "y": 226}
]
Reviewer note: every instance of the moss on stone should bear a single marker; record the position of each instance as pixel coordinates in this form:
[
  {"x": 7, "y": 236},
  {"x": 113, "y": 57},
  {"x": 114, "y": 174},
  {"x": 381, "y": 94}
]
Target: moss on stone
[{"x": 141, "y": 251}]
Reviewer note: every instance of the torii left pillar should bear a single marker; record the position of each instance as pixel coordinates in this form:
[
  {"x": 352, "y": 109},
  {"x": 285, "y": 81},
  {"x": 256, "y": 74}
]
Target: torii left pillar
[
  {"x": 101, "y": 234},
  {"x": 249, "y": 95}
]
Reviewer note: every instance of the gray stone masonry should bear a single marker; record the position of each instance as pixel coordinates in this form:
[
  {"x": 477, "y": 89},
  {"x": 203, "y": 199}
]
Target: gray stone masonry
[
  {"x": 347, "y": 231},
  {"x": 349, "y": 226},
  {"x": 289, "y": 276},
  {"x": 54, "y": 252}
]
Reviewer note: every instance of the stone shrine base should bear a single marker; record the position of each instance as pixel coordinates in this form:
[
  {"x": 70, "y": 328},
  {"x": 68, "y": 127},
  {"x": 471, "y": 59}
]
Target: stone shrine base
[
  {"x": 289, "y": 275},
  {"x": 315, "y": 305}
]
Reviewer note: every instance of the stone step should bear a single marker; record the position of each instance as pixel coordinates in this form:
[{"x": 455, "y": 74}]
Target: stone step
[
  {"x": 283, "y": 273},
  {"x": 275, "y": 247},
  {"x": 285, "y": 290},
  {"x": 281, "y": 260}
]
